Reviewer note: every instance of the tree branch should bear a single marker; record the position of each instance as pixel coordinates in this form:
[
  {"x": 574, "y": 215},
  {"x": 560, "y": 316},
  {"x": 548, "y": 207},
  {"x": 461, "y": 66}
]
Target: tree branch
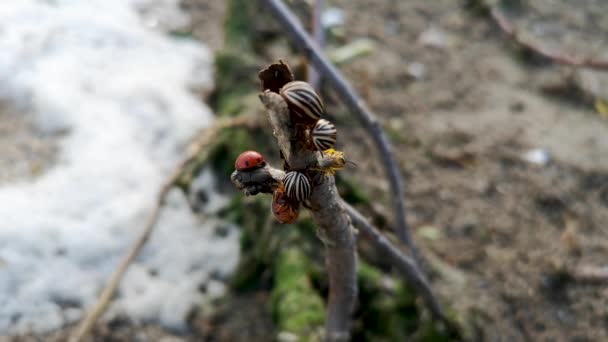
[
  {"x": 333, "y": 225},
  {"x": 269, "y": 178},
  {"x": 318, "y": 32},
  {"x": 330, "y": 213},
  {"x": 405, "y": 264},
  {"x": 355, "y": 104}
]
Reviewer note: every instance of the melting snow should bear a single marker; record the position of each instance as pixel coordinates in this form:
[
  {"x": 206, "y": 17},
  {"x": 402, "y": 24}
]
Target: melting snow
[{"x": 103, "y": 73}]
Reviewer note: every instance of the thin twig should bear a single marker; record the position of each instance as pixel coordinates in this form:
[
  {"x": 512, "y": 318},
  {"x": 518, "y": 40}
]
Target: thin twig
[
  {"x": 405, "y": 264},
  {"x": 333, "y": 225},
  {"x": 202, "y": 141},
  {"x": 558, "y": 57},
  {"x": 356, "y": 105},
  {"x": 401, "y": 261},
  {"x": 318, "y": 33}
]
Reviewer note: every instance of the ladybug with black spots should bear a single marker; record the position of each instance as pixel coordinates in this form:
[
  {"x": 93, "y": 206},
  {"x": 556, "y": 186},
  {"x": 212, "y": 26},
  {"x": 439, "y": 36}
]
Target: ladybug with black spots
[{"x": 249, "y": 160}]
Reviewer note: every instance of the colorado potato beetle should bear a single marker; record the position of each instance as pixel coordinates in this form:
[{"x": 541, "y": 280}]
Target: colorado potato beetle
[
  {"x": 249, "y": 160},
  {"x": 324, "y": 135},
  {"x": 297, "y": 186},
  {"x": 284, "y": 209},
  {"x": 303, "y": 100}
]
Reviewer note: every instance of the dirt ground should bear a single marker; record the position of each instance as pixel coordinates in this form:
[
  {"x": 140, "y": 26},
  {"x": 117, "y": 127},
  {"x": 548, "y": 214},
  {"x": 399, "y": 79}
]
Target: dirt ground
[
  {"x": 506, "y": 233},
  {"x": 25, "y": 151},
  {"x": 505, "y": 237}
]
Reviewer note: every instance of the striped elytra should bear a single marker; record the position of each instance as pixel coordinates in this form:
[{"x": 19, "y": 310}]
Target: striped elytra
[
  {"x": 324, "y": 135},
  {"x": 303, "y": 100},
  {"x": 297, "y": 186}
]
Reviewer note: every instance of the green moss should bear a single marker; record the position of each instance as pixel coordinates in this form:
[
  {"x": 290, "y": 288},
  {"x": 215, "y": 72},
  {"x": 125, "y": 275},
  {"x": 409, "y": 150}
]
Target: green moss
[
  {"x": 477, "y": 7},
  {"x": 182, "y": 34},
  {"x": 233, "y": 212},
  {"x": 297, "y": 307},
  {"x": 235, "y": 66},
  {"x": 387, "y": 307},
  {"x": 235, "y": 82},
  {"x": 254, "y": 262},
  {"x": 395, "y": 135},
  {"x": 224, "y": 150},
  {"x": 306, "y": 230},
  {"x": 351, "y": 191},
  {"x": 429, "y": 332},
  {"x": 238, "y": 24},
  {"x": 369, "y": 276},
  {"x": 233, "y": 143}
]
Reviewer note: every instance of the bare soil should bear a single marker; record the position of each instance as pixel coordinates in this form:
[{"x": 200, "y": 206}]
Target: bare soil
[
  {"x": 25, "y": 151},
  {"x": 507, "y": 234}
]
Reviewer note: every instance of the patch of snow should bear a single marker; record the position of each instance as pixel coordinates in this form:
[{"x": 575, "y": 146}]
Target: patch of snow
[{"x": 117, "y": 89}]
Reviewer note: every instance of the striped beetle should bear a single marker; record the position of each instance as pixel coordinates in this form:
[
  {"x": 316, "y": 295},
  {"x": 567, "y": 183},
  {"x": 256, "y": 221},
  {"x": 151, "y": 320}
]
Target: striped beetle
[
  {"x": 324, "y": 135},
  {"x": 297, "y": 186},
  {"x": 303, "y": 100}
]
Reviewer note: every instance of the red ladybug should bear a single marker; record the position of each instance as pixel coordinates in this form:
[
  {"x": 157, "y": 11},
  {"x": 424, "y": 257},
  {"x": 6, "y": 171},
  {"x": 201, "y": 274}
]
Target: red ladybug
[
  {"x": 249, "y": 160},
  {"x": 284, "y": 208}
]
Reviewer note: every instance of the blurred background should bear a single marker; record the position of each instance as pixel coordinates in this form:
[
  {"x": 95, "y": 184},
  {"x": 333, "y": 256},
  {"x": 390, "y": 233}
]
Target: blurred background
[{"x": 504, "y": 154}]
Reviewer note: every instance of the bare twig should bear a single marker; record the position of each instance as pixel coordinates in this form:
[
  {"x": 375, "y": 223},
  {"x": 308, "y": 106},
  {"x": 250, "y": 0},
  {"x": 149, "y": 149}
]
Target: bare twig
[
  {"x": 558, "y": 57},
  {"x": 402, "y": 262},
  {"x": 318, "y": 33},
  {"x": 333, "y": 227},
  {"x": 202, "y": 142},
  {"x": 405, "y": 264},
  {"x": 325, "y": 204},
  {"x": 331, "y": 214},
  {"x": 355, "y": 104}
]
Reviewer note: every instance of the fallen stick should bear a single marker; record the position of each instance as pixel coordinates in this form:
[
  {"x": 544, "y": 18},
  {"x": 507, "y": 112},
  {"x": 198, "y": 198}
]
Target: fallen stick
[
  {"x": 402, "y": 262},
  {"x": 318, "y": 32},
  {"x": 558, "y": 57}
]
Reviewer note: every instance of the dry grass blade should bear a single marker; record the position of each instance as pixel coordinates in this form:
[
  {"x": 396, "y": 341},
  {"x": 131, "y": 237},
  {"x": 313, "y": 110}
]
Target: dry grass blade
[{"x": 201, "y": 142}]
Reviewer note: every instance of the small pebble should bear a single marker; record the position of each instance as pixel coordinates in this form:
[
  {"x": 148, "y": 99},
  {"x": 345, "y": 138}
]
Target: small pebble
[
  {"x": 332, "y": 17},
  {"x": 537, "y": 156},
  {"x": 433, "y": 37},
  {"x": 416, "y": 70}
]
